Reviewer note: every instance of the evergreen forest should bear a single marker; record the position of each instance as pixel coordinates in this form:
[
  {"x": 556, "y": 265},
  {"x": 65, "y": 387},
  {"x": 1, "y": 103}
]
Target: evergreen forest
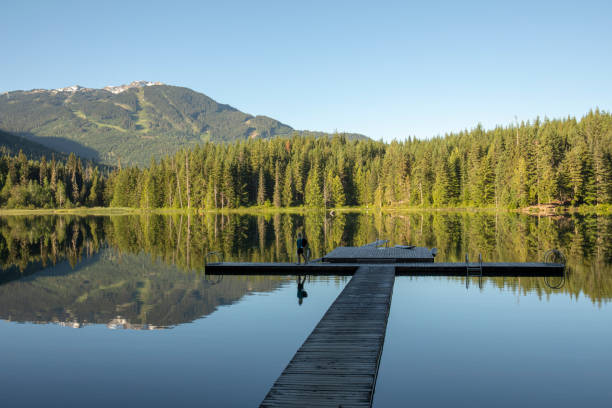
[{"x": 563, "y": 161}]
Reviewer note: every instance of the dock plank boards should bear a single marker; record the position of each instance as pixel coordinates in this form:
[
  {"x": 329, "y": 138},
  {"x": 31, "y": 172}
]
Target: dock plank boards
[
  {"x": 338, "y": 363},
  {"x": 379, "y": 254}
]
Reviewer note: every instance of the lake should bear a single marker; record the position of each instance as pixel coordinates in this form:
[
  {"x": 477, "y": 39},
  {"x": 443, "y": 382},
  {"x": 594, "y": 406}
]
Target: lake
[{"x": 119, "y": 310}]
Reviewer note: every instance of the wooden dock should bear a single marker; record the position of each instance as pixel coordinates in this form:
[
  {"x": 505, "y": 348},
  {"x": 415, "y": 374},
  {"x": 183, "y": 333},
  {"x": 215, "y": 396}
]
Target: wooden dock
[
  {"x": 338, "y": 363},
  {"x": 404, "y": 269},
  {"x": 374, "y": 254}
]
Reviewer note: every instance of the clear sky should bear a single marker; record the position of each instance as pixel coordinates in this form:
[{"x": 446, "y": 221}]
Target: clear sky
[{"x": 385, "y": 69}]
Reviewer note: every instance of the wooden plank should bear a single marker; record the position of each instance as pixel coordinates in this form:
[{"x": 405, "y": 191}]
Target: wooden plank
[{"x": 338, "y": 363}]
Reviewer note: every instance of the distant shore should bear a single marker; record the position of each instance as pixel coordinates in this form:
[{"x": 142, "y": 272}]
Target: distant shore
[{"x": 545, "y": 210}]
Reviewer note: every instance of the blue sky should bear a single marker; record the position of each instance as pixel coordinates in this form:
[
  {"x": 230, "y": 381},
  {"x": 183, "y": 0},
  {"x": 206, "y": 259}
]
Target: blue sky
[{"x": 385, "y": 69}]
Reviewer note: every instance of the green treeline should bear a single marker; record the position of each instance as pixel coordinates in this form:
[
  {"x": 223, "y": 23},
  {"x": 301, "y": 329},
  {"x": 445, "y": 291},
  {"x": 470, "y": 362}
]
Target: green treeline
[
  {"x": 50, "y": 184},
  {"x": 562, "y": 160},
  {"x": 551, "y": 161}
]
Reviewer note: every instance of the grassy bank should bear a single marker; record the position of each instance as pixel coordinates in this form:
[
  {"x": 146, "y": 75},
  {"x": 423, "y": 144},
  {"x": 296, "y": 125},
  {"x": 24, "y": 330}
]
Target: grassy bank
[
  {"x": 126, "y": 210},
  {"x": 69, "y": 211}
]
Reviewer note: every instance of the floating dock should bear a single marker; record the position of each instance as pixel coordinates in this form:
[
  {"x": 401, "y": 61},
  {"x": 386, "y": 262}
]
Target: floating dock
[
  {"x": 406, "y": 260},
  {"x": 338, "y": 363},
  {"x": 515, "y": 269},
  {"x": 373, "y": 254}
]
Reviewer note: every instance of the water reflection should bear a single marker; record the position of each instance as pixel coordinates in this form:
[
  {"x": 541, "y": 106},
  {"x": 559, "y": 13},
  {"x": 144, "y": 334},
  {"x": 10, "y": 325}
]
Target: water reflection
[
  {"x": 301, "y": 293},
  {"x": 203, "y": 363},
  {"x": 448, "y": 347},
  {"x": 30, "y": 244},
  {"x": 123, "y": 291}
]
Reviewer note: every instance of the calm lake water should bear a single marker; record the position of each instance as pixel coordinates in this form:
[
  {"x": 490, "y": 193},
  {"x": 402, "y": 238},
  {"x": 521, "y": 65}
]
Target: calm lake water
[{"x": 102, "y": 311}]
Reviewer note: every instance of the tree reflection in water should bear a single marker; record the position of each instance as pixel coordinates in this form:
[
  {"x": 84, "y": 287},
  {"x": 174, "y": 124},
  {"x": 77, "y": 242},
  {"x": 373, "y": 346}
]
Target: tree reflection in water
[{"x": 29, "y": 244}]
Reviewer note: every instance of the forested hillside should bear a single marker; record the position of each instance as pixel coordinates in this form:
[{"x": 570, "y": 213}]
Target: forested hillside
[
  {"x": 11, "y": 145},
  {"x": 566, "y": 161},
  {"x": 130, "y": 123}
]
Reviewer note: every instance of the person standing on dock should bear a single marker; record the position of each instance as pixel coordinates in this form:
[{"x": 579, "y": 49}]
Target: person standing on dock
[{"x": 302, "y": 247}]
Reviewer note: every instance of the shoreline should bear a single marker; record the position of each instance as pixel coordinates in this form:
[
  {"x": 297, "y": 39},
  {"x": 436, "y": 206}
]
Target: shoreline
[{"x": 108, "y": 211}]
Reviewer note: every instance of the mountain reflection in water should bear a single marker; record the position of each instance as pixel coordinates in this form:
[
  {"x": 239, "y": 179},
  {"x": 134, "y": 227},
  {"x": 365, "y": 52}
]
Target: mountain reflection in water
[
  {"x": 128, "y": 291},
  {"x": 146, "y": 271}
]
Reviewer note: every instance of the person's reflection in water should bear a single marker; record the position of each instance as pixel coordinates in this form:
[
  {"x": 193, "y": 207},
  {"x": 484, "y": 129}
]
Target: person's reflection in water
[{"x": 301, "y": 293}]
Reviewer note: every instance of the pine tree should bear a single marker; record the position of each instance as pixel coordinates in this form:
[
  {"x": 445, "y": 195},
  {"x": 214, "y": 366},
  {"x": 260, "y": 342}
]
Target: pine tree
[
  {"x": 312, "y": 192},
  {"x": 94, "y": 191},
  {"x": 121, "y": 190},
  {"x": 454, "y": 181},
  {"x": 441, "y": 193},
  {"x": 327, "y": 198},
  {"x": 288, "y": 188},
  {"x": 60, "y": 194},
  {"x": 486, "y": 183},
  {"x": 187, "y": 181},
  {"x": 261, "y": 188},
  {"x": 228, "y": 185},
  {"x": 24, "y": 168},
  {"x": 53, "y": 174},
  {"x": 337, "y": 192},
  {"x": 602, "y": 171},
  {"x": 11, "y": 178},
  {"x": 277, "y": 186},
  {"x": 581, "y": 180},
  {"x": 148, "y": 192},
  {"x": 42, "y": 173}
]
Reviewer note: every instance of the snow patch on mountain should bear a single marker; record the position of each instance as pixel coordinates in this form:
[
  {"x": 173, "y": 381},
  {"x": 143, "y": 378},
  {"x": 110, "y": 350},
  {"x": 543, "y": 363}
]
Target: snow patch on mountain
[
  {"x": 114, "y": 89},
  {"x": 135, "y": 84}
]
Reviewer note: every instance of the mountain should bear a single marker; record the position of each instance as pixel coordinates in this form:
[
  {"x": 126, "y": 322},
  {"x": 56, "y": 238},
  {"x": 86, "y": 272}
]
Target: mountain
[
  {"x": 11, "y": 144},
  {"x": 130, "y": 123}
]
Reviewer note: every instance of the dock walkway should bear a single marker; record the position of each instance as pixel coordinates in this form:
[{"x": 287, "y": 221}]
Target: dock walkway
[{"x": 338, "y": 363}]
